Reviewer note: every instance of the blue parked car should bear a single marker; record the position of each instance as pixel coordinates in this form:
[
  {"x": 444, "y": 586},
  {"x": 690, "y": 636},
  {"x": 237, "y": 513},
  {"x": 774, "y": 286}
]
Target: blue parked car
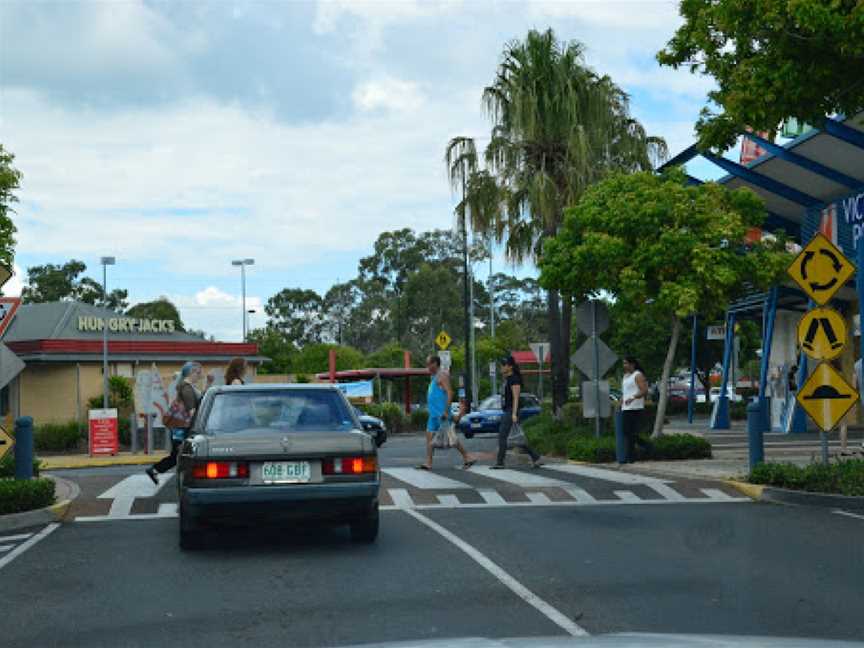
[{"x": 487, "y": 418}]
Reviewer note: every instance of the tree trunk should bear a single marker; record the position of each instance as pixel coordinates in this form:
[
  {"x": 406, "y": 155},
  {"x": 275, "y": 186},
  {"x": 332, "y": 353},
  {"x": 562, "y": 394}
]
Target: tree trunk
[
  {"x": 553, "y": 314},
  {"x": 664, "y": 379}
]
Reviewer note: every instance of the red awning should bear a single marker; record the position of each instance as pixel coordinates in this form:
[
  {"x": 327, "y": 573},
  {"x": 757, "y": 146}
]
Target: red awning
[
  {"x": 369, "y": 374},
  {"x": 527, "y": 357}
]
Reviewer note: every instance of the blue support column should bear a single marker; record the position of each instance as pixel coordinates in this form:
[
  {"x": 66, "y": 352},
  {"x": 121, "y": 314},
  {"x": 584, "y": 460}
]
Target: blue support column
[
  {"x": 720, "y": 420},
  {"x": 691, "y": 397},
  {"x": 799, "y": 416},
  {"x": 859, "y": 288},
  {"x": 767, "y": 340}
]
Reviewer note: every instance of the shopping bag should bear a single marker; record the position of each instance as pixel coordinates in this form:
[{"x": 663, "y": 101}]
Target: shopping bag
[
  {"x": 444, "y": 437},
  {"x": 516, "y": 438}
]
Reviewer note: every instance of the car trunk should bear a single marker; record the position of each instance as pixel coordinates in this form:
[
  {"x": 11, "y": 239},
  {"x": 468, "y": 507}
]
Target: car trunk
[{"x": 259, "y": 444}]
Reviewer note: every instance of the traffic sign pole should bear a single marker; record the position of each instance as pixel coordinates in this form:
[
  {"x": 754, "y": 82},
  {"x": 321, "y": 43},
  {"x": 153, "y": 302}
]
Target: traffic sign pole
[{"x": 859, "y": 287}]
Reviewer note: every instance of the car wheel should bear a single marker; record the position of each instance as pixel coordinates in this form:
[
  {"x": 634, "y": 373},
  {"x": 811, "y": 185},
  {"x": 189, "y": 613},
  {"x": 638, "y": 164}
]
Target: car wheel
[
  {"x": 365, "y": 531},
  {"x": 191, "y": 533}
]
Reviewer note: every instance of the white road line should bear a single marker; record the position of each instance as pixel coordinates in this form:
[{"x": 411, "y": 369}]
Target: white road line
[
  {"x": 579, "y": 494},
  {"x": 423, "y": 479},
  {"x": 492, "y": 497},
  {"x": 5, "y": 548},
  {"x": 125, "y": 518},
  {"x": 400, "y": 497},
  {"x": 126, "y": 491},
  {"x": 551, "y": 613},
  {"x": 603, "y": 474},
  {"x": 716, "y": 494},
  {"x": 24, "y": 546},
  {"x": 628, "y": 496},
  {"x": 518, "y": 478},
  {"x": 12, "y": 538},
  {"x": 848, "y": 514},
  {"x": 618, "y": 502},
  {"x": 449, "y": 500},
  {"x": 538, "y": 498},
  {"x": 666, "y": 491}
]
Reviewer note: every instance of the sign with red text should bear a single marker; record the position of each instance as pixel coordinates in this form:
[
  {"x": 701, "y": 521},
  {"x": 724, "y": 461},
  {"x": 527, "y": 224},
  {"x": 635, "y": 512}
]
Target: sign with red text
[{"x": 103, "y": 432}]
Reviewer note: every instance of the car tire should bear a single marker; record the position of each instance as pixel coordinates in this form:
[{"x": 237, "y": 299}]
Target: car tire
[
  {"x": 191, "y": 533},
  {"x": 365, "y": 531}
]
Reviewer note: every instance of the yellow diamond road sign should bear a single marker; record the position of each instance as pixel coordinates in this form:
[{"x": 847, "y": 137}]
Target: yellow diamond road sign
[
  {"x": 822, "y": 333},
  {"x": 826, "y": 396},
  {"x": 6, "y": 443},
  {"x": 821, "y": 269},
  {"x": 443, "y": 340}
]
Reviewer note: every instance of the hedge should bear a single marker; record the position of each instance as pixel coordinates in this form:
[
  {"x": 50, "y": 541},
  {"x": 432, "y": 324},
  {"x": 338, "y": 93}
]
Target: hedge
[
  {"x": 392, "y": 414},
  {"x": 25, "y": 495},
  {"x": 419, "y": 419},
  {"x": 7, "y": 465},
  {"x": 842, "y": 478},
  {"x": 56, "y": 437}
]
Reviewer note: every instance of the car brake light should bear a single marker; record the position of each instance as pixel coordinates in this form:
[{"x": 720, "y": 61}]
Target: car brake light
[
  {"x": 221, "y": 470},
  {"x": 349, "y": 465}
]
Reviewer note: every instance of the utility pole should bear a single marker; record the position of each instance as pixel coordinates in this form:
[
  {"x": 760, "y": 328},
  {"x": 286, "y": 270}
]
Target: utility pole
[
  {"x": 106, "y": 261},
  {"x": 494, "y": 375},
  {"x": 474, "y": 383},
  {"x": 467, "y": 299},
  {"x": 243, "y": 263}
]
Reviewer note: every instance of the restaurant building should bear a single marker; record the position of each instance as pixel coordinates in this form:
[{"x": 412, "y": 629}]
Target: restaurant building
[{"x": 61, "y": 346}]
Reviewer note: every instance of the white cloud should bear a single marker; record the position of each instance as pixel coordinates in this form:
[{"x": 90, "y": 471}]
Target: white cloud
[
  {"x": 618, "y": 14},
  {"x": 218, "y": 313},
  {"x": 388, "y": 93},
  {"x": 378, "y": 12},
  {"x": 13, "y": 287}
]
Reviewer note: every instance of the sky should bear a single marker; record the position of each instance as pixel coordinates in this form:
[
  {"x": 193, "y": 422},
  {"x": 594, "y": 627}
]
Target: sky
[{"x": 177, "y": 136}]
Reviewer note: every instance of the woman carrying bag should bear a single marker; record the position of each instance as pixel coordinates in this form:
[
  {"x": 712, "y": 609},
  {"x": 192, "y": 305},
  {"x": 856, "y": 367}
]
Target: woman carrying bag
[{"x": 510, "y": 433}]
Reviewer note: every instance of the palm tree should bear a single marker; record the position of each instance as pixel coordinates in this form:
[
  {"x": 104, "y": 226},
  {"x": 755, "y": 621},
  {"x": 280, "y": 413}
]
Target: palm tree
[{"x": 557, "y": 128}]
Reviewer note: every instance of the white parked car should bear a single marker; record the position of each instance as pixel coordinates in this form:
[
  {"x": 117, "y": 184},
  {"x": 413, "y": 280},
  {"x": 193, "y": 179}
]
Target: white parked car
[{"x": 733, "y": 396}]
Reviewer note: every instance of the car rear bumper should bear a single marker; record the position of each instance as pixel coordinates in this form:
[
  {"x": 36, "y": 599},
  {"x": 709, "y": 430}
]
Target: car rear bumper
[{"x": 344, "y": 501}]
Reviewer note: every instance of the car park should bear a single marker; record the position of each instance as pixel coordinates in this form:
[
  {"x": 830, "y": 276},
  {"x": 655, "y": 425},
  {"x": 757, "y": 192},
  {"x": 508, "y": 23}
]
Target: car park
[
  {"x": 267, "y": 454},
  {"x": 487, "y": 418}
]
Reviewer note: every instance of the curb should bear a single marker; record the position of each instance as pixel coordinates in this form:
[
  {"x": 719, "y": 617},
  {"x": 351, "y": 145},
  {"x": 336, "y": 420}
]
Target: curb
[
  {"x": 66, "y": 463},
  {"x": 819, "y": 500},
  {"x": 753, "y": 491},
  {"x": 54, "y": 513}
]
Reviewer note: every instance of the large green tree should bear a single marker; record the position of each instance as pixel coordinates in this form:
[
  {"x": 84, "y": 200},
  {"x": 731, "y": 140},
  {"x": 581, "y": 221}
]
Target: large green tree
[
  {"x": 557, "y": 127},
  {"x": 10, "y": 179},
  {"x": 771, "y": 59},
  {"x": 160, "y": 308},
  {"x": 52, "y": 282},
  {"x": 651, "y": 239},
  {"x": 297, "y": 314}
]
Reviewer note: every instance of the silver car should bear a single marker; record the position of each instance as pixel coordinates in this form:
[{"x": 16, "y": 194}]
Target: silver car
[{"x": 271, "y": 453}]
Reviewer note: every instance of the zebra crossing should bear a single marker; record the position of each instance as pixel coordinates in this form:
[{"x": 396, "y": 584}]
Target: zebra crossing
[
  {"x": 135, "y": 497},
  {"x": 14, "y": 544}
]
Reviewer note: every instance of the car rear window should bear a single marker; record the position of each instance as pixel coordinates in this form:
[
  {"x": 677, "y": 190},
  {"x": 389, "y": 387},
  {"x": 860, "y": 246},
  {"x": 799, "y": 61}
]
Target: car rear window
[{"x": 285, "y": 410}]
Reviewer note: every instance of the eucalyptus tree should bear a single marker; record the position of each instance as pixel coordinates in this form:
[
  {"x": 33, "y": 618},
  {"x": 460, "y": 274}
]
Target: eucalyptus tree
[{"x": 557, "y": 127}]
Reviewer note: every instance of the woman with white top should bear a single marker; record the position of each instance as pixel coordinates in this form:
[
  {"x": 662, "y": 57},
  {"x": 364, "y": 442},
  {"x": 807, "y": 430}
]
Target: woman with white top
[{"x": 634, "y": 389}]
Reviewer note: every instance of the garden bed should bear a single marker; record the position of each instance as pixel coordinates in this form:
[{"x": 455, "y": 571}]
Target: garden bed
[
  {"x": 840, "y": 478},
  {"x": 17, "y": 496}
]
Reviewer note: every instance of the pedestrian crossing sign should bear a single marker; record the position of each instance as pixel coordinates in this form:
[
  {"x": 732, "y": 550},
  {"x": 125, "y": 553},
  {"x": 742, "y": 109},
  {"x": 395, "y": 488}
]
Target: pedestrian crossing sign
[
  {"x": 822, "y": 333},
  {"x": 443, "y": 340},
  {"x": 826, "y": 396},
  {"x": 7, "y": 442}
]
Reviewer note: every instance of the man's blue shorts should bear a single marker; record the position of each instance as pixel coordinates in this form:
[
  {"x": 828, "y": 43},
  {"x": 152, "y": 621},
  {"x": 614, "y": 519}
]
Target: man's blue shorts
[{"x": 433, "y": 424}]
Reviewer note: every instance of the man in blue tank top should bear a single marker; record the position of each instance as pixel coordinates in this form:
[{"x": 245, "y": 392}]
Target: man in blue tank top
[{"x": 438, "y": 400}]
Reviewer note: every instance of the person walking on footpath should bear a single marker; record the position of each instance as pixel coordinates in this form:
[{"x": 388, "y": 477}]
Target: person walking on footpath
[
  {"x": 182, "y": 414},
  {"x": 512, "y": 389},
  {"x": 438, "y": 400},
  {"x": 234, "y": 374},
  {"x": 634, "y": 388}
]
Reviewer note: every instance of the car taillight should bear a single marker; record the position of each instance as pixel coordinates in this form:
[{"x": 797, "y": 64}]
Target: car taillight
[
  {"x": 220, "y": 470},
  {"x": 349, "y": 465}
]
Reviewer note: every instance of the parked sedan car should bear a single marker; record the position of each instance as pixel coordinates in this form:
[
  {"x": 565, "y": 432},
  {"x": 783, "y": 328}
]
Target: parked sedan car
[
  {"x": 373, "y": 425},
  {"x": 487, "y": 417},
  {"x": 261, "y": 454}
]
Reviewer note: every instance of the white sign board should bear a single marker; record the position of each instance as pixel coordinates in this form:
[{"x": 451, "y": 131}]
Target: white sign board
[
  {"x": 492, "y": 370},
  {"x": 151, "y": 397},
  {"x": 540, "y": 351},
  {"x": 446, "y": 360},
  {"x": 715, "y": 332}
]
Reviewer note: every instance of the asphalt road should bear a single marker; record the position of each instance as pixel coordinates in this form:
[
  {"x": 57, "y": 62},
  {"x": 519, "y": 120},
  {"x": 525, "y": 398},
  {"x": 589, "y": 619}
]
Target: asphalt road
[{"x": 436, "y": 572}]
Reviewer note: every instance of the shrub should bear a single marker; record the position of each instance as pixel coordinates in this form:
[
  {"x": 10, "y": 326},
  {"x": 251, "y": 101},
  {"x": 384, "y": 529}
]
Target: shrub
[
  {"x": 392, "y": 414},
  {"x": 590, "y": 448},
  {"x": 843, "y": 478},
  {"x": 25, "y": 495},
  {"x": 56, "y": 437},
  {"x": 419, "y": 419},
  {"x": 7, "y": 466},
  {"x": 120, "y": 395},
  {"x": 675, "y": 446}
]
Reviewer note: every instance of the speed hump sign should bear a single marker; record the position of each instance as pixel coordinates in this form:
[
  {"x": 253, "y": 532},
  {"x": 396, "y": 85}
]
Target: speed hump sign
[
  {"x": 822, "y": 333},
  {"x": 826, "y": 396}
]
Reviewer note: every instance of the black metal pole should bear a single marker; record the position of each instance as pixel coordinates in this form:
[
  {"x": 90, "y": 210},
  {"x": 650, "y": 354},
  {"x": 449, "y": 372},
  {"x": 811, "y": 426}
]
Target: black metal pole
[{"x": 467, "y": 300}]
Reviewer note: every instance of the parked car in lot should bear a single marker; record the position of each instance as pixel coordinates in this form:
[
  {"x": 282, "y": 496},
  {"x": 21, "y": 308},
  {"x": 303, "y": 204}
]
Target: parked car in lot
[
  {"x": 373, "y": 425},
  {"x": 260, "y": 454},
  {"x": 733, "y": 396},
  {"x": 487, "y": 418}
]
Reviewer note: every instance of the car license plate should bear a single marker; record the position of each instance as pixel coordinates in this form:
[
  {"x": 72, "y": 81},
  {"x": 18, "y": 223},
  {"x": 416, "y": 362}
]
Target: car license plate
[
  {"x": 476, "y": 426},
  {"x": 286, "y": 472}
]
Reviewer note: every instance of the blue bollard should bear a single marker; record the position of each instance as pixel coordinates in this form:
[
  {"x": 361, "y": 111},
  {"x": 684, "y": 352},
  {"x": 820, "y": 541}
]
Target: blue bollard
[
  {"x": 755, "y": 422},
  {"x": 620, "y": 440},
  {"x": 24, "y": 447}
]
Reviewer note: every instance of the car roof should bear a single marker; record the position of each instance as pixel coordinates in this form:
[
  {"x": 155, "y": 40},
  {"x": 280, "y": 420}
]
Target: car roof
[{"x": 259, "y": 387}]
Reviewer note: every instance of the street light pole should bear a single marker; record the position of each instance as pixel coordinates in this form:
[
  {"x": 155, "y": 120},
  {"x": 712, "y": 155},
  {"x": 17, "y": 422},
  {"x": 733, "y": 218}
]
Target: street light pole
[
  {"x": 467, "y": 300},
  {"x": 492, "y": 315},
  {"x": 243, "y": 263},
  {"x": 105, "y": 261}
]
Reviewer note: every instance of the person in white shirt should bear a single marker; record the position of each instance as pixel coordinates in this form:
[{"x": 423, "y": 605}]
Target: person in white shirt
[{"x": 634, "y": 389}]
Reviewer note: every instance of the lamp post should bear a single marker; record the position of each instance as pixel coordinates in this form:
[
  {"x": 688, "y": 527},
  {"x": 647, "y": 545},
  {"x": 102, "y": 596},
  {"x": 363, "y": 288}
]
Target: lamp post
[
  {"x": 105, "y": 261},
  {"x": 243, "y": 263},
  {"x": 250, "y": 311}
]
